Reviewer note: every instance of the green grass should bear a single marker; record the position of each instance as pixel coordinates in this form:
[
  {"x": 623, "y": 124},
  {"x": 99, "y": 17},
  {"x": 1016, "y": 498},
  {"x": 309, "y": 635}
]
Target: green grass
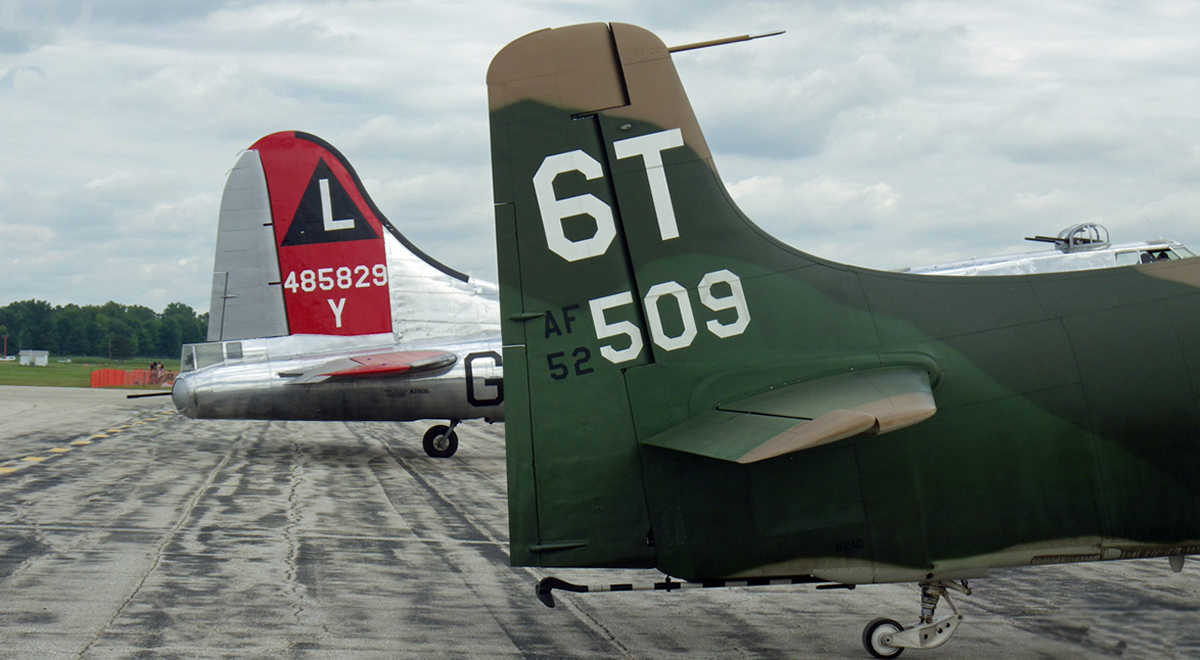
[{"x": 76, "y": 373}]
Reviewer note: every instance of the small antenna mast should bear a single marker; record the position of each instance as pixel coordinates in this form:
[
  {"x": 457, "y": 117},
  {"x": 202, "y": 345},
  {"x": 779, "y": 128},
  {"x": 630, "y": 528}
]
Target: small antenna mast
[
  {"x": 722, "y": 42},
  {"x": 1151, "y": 226}
]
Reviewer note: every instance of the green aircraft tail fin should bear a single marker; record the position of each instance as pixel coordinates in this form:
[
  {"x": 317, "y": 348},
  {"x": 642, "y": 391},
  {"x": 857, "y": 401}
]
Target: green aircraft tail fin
[
  {"x": 649, "y": 325},
  {"x": 561, "y": 250},
  {"x": 624, "y": 270}
]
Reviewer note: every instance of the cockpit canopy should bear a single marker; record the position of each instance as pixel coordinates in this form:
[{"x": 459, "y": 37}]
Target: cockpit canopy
[{"x": 198, "y": 356}]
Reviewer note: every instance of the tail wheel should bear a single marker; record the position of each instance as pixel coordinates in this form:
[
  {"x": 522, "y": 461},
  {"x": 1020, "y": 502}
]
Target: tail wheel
[
  {"x": 874, "y": 634},
  {"x": 440, "y": 441}
]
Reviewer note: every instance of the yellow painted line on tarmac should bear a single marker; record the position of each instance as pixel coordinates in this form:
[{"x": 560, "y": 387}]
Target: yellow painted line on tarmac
[{"x": 17, "y": 465}]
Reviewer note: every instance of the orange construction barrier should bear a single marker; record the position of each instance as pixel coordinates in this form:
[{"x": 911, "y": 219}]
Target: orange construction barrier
[
  {"x": 123, "y": 377},
  {"x": 107, "y": 378}
]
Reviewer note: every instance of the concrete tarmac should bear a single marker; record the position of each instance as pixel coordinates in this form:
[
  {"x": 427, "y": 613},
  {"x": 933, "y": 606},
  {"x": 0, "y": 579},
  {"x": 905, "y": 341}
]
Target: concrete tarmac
[{"x": 129, "y": 531}]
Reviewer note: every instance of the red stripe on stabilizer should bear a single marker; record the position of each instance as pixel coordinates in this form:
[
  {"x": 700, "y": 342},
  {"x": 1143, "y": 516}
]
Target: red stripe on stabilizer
[
  {"x": 333, "y": 286},
  {"x": 397, "y": 363}
]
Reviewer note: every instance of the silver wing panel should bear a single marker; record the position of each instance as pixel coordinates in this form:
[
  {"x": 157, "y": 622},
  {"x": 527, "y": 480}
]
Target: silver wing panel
[{"x": 247, "y": 301}]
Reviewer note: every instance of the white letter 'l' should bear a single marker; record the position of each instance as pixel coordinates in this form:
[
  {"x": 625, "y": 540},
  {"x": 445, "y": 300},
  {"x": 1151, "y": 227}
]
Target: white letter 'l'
[{"x": 327, "y": 213}]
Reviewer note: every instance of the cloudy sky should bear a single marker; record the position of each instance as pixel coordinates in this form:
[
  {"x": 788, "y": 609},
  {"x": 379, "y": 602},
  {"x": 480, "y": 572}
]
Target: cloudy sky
[{"x": 884, "y": 133}]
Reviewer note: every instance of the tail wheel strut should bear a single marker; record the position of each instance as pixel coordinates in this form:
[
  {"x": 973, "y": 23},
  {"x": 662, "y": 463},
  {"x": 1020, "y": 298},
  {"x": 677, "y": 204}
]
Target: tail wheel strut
[
  {"x": 441, "y": 441},
  {"x": 884, "y": 638}
]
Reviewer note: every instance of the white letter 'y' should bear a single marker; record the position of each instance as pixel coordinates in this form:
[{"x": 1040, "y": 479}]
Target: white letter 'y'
[{"x": 337, "y": 310}]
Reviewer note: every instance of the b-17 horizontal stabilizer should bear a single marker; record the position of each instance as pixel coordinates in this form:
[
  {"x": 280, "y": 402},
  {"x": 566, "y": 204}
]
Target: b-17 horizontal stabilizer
[
  {"x": 408, "y": 363},
  {"x": 833, "y": 408}
]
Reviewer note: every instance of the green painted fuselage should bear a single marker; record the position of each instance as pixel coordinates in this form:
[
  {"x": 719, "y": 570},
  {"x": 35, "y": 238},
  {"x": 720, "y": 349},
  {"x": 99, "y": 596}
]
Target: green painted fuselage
[{"x": 1066, "y": 425}]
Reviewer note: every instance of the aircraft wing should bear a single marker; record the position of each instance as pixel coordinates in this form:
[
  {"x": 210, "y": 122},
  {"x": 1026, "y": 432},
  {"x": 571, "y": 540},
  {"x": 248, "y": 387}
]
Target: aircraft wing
[
  {"x": 806, "y": 415},
  {"x": 403, "y": 363}
]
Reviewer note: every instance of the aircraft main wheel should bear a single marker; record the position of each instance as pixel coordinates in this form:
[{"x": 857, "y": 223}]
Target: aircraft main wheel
[
  {"x": 873, "y": 636},
  {"x": 440, "y": 444}
]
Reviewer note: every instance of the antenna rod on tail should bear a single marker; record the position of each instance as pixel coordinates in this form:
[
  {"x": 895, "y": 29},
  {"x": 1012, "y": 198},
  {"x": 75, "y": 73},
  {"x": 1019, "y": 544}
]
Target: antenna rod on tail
[{"x": 722, "y": 42}]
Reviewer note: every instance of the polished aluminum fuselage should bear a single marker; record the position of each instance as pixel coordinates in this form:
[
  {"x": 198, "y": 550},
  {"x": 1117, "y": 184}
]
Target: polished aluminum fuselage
[
  {"x": 303, "y": 303},
  {"x": 1058, "y": 261},
  {"x": 255, "y": 379}
]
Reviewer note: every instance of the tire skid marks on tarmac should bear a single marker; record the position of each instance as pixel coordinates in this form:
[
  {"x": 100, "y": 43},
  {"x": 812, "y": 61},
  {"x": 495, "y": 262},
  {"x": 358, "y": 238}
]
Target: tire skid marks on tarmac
[
  {"x": 44, "y": 539},
  {"x": 17, "y": 464},
  {"x": 476, "y": 551},
  {"x": 294, "y": 585},
  {"x": 160, "y": 549},
  {"x": 1117, "y": 609},
  {"x": 466, "y": 528}
]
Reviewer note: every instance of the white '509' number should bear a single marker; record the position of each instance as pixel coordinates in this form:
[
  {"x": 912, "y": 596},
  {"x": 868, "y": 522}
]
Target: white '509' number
[
  {"x": 343, "y": 277},
  {"x": 670, "y": 291}
]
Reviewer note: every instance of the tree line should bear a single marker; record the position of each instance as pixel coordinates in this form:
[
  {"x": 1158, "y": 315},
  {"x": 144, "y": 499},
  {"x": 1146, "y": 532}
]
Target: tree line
[{"x": 110, "y": 330}]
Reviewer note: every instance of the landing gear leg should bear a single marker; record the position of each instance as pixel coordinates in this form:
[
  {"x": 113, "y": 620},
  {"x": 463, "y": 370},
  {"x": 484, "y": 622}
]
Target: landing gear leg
[
  {"x": 441, "y": 441},
  {"x": 884, "y": 638}
]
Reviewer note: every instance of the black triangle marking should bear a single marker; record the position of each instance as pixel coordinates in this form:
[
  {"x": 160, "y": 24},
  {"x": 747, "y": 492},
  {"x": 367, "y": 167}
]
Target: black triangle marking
[{"x": 308, "y": 224}]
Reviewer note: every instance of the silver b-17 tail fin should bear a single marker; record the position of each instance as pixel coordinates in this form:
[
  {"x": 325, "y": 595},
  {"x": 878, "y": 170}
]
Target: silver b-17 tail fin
[{"x": 302, "y": 249}]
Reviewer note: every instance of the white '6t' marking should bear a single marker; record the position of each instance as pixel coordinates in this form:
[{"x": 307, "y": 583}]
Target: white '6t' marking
[{"x": 554, "y": 210}]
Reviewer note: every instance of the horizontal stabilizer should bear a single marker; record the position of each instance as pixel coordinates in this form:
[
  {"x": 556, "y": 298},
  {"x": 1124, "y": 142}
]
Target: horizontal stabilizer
[
  {"x": 806, "y": 415},
  {"x": 407, "y": 363}
]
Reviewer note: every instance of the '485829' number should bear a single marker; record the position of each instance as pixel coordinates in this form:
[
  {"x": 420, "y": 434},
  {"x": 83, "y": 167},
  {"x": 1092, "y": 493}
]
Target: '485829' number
[{"x": 342, "y": 277}]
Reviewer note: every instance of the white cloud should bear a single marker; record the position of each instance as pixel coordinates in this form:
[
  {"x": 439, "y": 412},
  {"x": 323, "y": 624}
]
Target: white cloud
[
  {"x": 820, "y": 202},
  {"x": 115, "y": 181},
  {"x": 1052, "y": 124},
  {"x": 883, "y": 133},
  {"x": 16, "y": 238},
  {"x": 1058, "y": 200}
]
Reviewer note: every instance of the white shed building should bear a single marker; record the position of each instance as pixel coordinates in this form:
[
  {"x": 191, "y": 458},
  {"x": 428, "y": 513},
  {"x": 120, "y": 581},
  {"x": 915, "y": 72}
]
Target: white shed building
[{"x": 31, "y": 358}]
